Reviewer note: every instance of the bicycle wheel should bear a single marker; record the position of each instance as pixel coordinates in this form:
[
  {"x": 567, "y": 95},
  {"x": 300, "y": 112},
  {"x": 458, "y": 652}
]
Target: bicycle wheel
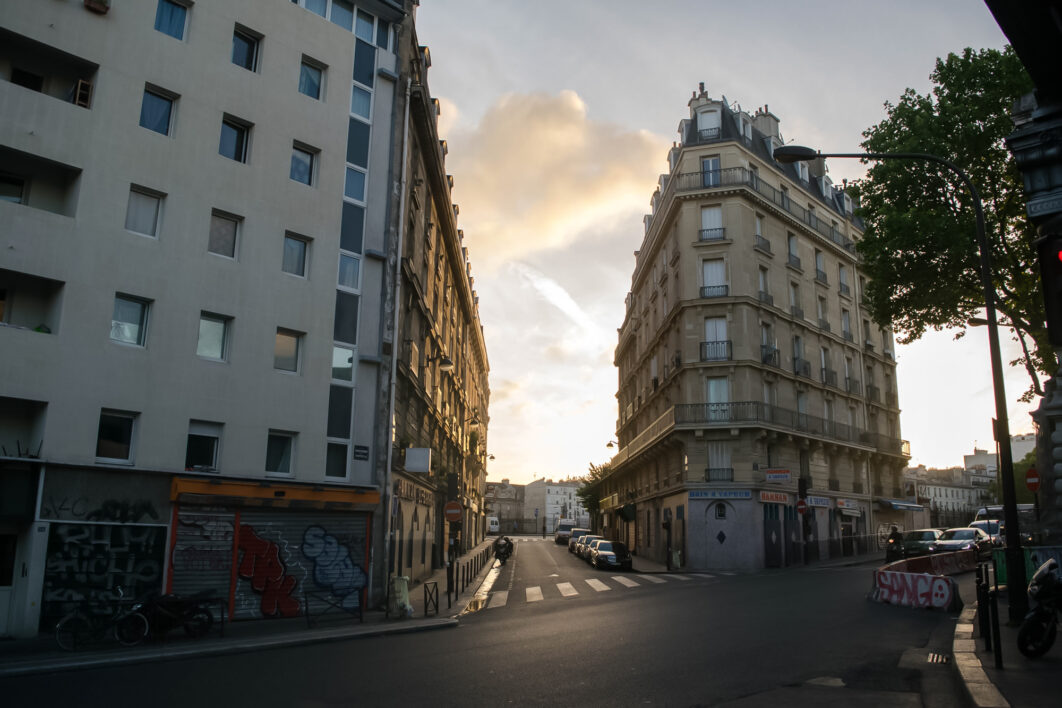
[
  {"x": 73, "y": 632},
  {"x": 198, "y": 623},
  {"x": 130, "y": 629}
]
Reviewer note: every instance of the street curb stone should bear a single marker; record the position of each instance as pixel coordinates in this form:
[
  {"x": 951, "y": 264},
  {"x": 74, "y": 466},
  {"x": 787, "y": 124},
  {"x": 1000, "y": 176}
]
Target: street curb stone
[{"x": 979, "y": 688}]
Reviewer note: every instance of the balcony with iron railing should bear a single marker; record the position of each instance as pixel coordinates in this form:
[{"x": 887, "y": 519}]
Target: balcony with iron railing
[
  {"x": 873, "y": 393},
  {"x": 742, "y": 176},
  {"x": 802, "y": 367},
  {"x": 820, "y": 277},
  {"x": 844, "y": 289},
  {"x": 824, "y": 324},
  {"x": 717, "y": 351},
  {"x": 868, "y": 345},
  {"x": 794, "y": 262},
  {"x": 765, "y": 297},
  {"x": 796, "y": 311},
  {"x": 719, "y": 474},
  {"x": 829, "y": 377},
  {"x": 848, "y": 336},
  {"x": 770, "y": 355},
  {"x": 718, "y": 234},
  {"x": 763, "y": 244},
  {"x": 853, "y": 386},
  {"x": 709, "y": 291}
]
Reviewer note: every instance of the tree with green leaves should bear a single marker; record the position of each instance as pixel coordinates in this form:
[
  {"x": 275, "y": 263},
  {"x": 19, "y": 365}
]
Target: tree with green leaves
[
  {"x": 590, "y": 491},
  {"x": 919, "y": 247}
]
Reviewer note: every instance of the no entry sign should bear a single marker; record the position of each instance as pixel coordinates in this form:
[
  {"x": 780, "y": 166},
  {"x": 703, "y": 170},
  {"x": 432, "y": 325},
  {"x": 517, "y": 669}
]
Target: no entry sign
[
  {"x": 802, "y": 506},
  {"x": 1032, "y": 479},
  {"x": 452, "y": 511}
]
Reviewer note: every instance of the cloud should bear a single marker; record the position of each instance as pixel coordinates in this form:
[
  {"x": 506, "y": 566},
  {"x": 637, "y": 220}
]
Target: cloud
[{"x": 537, "y": 173}]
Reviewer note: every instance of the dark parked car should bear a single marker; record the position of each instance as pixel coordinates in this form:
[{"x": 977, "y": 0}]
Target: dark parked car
[
  {"x": 573, "y": 540},
  {"x": 580, "y": 545},
  {"x": 611, "y": 554},
  {"x": 963, "y": 539},
  {"x": 917, "y": 542}
]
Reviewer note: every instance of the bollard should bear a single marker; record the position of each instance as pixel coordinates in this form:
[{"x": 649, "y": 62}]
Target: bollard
[
  {"x": 997, "y": 648},
  {"x": 982, "y": 606}
]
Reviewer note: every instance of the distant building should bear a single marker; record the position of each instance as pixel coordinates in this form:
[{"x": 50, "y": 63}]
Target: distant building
[
  {"x": 951, "y": 496},
  {"x": 506, "y": 502},
  {"x": 985, "y": 463},
  {"x": 549, "y": 501}
]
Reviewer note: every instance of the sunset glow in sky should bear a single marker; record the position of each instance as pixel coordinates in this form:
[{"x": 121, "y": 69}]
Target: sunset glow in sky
[{"x": 558, "y": 115}]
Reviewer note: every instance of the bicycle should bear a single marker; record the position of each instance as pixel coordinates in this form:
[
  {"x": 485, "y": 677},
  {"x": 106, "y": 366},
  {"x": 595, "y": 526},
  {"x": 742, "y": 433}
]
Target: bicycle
[{"x": 78, "y": 628}]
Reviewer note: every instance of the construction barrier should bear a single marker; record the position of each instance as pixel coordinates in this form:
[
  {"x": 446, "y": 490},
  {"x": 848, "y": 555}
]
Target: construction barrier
[{"x": 923, "y": 581}]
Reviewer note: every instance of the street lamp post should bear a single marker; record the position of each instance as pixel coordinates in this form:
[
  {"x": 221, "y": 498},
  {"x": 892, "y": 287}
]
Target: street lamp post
[{"x": 1015, "y": 558}]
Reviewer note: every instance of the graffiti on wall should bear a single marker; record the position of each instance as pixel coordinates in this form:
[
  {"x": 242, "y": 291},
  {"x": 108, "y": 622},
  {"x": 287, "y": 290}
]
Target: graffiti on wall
[
  {"x": 262, "y": 565},
  {"x": 87, "y": 562},
  {"x": 915, "y": 590},
  {"x": 122, "y": 511},
  {"x": 333, "y": 568},
  {"x": 204, "y": 543}
]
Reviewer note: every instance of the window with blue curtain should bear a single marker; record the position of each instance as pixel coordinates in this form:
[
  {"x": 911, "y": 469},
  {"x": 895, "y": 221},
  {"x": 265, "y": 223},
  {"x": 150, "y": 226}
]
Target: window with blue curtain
[
  {"x": 155, "y": 112},
  {"x": 170, "y": 18}
]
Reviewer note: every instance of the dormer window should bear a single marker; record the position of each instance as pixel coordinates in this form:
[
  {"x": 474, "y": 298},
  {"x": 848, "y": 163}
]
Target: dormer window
[{"x": 802, "y": 171}]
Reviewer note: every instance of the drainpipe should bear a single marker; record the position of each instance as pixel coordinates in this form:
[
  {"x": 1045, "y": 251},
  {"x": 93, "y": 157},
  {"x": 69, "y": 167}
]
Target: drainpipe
[{"x": 388, "y": 478}]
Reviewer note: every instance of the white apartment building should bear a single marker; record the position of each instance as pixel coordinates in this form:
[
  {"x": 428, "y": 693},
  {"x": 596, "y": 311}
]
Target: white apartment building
[
  {"x": 195, "y": 202},
  {"x": 548, "y": 501}
]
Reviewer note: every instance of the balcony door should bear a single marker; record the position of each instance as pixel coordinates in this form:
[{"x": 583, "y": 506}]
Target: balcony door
[
  {"x": 710, "y": 171},
  {"x": 717, "y": 394},
  {"x": 715, "y": 348}
]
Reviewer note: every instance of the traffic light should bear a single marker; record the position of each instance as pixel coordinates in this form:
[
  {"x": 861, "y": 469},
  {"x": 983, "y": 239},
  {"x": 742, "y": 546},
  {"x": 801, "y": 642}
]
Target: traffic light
[{"x": 1049, "y": 249}]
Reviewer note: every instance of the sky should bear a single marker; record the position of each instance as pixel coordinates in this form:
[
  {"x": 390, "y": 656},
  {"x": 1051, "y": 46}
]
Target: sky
[{"x": 558, "y": 115}]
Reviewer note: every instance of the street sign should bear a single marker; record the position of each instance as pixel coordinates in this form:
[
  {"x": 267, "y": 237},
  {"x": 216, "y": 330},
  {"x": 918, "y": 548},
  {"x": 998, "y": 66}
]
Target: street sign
[
  {"x": 802, "y": 506},
  {"x": 1032, "y": 479},
  {"x": 452, "y": 511},
  {"x": 536, "y": 512}
]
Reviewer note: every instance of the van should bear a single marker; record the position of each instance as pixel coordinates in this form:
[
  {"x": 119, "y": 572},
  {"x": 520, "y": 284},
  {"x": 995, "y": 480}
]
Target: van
[
  {"x": 493, "y": 527},
  {"x": 564, "y": 531}
]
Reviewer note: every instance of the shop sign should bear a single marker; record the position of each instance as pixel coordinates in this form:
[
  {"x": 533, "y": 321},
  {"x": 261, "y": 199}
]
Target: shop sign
[
  {"x": 720, "y": 494},
  {"x": 774, "y": 497},
  {"x": 846, "y": 504},
  {"x": 818, "y": 501},
  {"x": 404, "y": 489},
  {"x": 777, "y": 475}
]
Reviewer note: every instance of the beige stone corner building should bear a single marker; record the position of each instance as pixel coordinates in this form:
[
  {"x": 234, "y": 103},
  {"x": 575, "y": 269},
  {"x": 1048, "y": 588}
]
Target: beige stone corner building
[{"x": 749, "y": 370}]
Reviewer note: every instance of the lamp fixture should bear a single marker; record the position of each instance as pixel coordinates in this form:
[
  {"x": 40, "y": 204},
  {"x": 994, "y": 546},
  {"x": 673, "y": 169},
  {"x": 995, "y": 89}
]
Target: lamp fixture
[
  {"x": 612, "y": 444},
  {"x": 445, "y": 363}
]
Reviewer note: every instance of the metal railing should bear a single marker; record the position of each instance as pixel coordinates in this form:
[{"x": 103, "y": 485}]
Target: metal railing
[
  {"x": 742, "y": 176},
  {"x": 873, "y": 393},
  {"x": 796, "y": 311},
  {"x": 769, "y": 355},
  {"x": 716, "y": 351},
  {"x": 852, "y": 386},
  {"x": 820, "y": 276},
  {"x": 802, "y": 367},
  {"x": 713, "y": 234},
  {"x": 719, "y": 474},
  {"x": 766, "y": 297},
  {"x": 845, "y": 290},
  {"x": 824, "y": 324},
  {"x": 847, "y": 334},
  {"x": 794, "y": 261},
  {"x": 715, "y": 291},
  {"x": 829, "y": 377},
  {"x": 762, "y": 244}
]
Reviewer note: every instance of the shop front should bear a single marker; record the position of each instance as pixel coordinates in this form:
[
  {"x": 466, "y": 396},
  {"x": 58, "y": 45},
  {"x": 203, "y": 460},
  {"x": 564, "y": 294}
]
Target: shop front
[{"x": 271, "y": 550}]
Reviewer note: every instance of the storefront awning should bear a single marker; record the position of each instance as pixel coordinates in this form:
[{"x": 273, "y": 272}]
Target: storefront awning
[
  {"x": 899, "y": 505},
  {"x": 267, "y": 494},
  {"x": 850, "y": 512}
]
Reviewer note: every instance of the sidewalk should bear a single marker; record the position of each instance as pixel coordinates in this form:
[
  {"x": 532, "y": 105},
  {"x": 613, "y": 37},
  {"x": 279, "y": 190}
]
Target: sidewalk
[
  {"x": 40, "y": 654},
  {"x": 1022, "y": 682},
  {"x": 646, "y": 565}
]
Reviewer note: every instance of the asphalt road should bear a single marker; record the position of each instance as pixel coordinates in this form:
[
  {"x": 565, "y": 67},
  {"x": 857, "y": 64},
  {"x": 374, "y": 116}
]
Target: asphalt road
[{"x": 789, "y": 637}]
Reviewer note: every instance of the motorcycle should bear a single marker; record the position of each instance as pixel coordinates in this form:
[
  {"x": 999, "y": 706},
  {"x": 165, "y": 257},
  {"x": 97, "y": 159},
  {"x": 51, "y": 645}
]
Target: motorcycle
[
  {"x": 166, "y": 612},
  {"x": 893, "y": 550},
  {"x": 1038, "y": 629},
  {"x": 503, "y": 550}
]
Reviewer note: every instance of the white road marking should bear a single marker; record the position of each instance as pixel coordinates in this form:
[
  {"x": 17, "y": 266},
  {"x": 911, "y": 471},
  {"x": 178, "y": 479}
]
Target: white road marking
[
  {"x": 623, "y": 580},
  {"x": 652, "y": 578},
  {"x": 567, "y": 589},
  {"x": 597, "y": 584},
  {"x": 678, "y": 577},
  {"x": 534, "y": 594},
  {"x": 499, "y": 599}
]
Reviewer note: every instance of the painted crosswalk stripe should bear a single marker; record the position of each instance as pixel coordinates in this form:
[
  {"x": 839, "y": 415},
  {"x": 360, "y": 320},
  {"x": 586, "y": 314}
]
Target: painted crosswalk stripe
[
  {"x": 567, "y": 589},
  {"x": 597, "y": 584},
  {"x": 498, "y": 599},
  {"x": 678, "y": 577},
  {"x": 622, "y": 580},
  {"x": 652, "y": 578},
  {"x": 534, "y": 594}
]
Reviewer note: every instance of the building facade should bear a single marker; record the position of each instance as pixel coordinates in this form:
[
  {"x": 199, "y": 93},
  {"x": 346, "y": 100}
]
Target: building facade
[
  {"x": 197, "y": 301},
  {"x": 546, "y": 501},
  {"x": 506, "y": 502},
  {"x": 748, "y": 369}
]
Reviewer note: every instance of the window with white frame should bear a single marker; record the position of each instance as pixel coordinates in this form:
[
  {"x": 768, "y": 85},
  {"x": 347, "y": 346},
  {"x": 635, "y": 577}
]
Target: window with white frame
[
  {"x": 115, "y": 437},
  {"x": 203, "y": 446},
  {"x": 711, "y": 224},
  {"x": 142, "y": 211},
  {"x": 213, "y": 336},
  {"x": 224, "y": 231},
  {"x": 171, "y": 18},
  {"x": 286, "y": 350},
  {"x": 360, "y": 102},
  {"x": 296, "y": 251},
  {"x": 129, "y": 320},
  {"x": 280, "y": 452}
]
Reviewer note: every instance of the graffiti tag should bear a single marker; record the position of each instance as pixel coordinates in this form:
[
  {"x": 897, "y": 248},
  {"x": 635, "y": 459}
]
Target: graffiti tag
[
  {"x": 261, "y": 564},
  {"x": 333, "y": 568},
  {"x": 913, "y": 589}
]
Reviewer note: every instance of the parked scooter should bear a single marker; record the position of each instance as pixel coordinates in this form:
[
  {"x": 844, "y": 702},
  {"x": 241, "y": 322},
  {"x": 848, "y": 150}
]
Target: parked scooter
[
  {"x": 1038, "y": 630},
  {"x": 166, "y": 612}
]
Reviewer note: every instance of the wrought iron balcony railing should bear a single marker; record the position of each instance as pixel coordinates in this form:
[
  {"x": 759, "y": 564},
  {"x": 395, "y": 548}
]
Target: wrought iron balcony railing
[
  {"x": 766, "y": 298},
  {"x": 719, "y": 474},
  {"x": 845, "y": 290},
  {"x": 820, "y": 276},
  {"x": 829, "y": 377},
  {"x": 713, "y": 234},
  {"x": 794, "y": 262},
  {"x": 853, "y": 386},
  {"x": 796, "y": 311},
  {"x": 763, "y": 244},
  {"x": 769, "y": 355},
  {"x": 717, "y": 351},
  {"x": 848, "y": 336},
  {"x": 824, "y": 324},
  {"x": 873, "y": 393},
  {"x": 802, "y": 367},
  {"x": 715, "y": 291}
]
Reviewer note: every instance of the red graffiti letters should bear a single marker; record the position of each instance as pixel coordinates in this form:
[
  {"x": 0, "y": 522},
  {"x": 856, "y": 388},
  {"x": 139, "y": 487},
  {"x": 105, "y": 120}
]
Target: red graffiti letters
[
  {"x": 913, "y": 589},
  {"x": 261, "y": 565}
]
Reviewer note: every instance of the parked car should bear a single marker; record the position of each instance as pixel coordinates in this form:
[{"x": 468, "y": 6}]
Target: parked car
[
  {"x": 963, "y": 539},
  {"x": 564, "y": 531},
  {"x": 574, "y": 538},
  {"x": 580, "y": 547},
  {"x": 992, "y": 527},
  {"x": 611, "y": 554},
  {"x": 588, "y": 549},
  {"x": 918, "y": 541}
]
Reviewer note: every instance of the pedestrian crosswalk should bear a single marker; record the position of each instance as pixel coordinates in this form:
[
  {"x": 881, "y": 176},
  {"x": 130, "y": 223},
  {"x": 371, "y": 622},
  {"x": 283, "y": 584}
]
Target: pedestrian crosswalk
[{"x": 538, "y": 593}]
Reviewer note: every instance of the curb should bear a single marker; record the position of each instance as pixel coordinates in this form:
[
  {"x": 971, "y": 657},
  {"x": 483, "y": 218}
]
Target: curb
[
  {"x": 225, "y": 646},
  {"x": 979, "y": 688}
]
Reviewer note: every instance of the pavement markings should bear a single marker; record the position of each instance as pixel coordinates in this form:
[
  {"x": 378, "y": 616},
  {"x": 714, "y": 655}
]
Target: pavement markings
[
  {"x": 567, "y": 589},
  {"x": 625, "y": 581},
  {"x": 652, "y": 578},
  {"x": 534, "y": 594},
  {"x": 498, "y": 599},
  {"x": 678, "y": 577},
  {"x": 597, "y": 584}
]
